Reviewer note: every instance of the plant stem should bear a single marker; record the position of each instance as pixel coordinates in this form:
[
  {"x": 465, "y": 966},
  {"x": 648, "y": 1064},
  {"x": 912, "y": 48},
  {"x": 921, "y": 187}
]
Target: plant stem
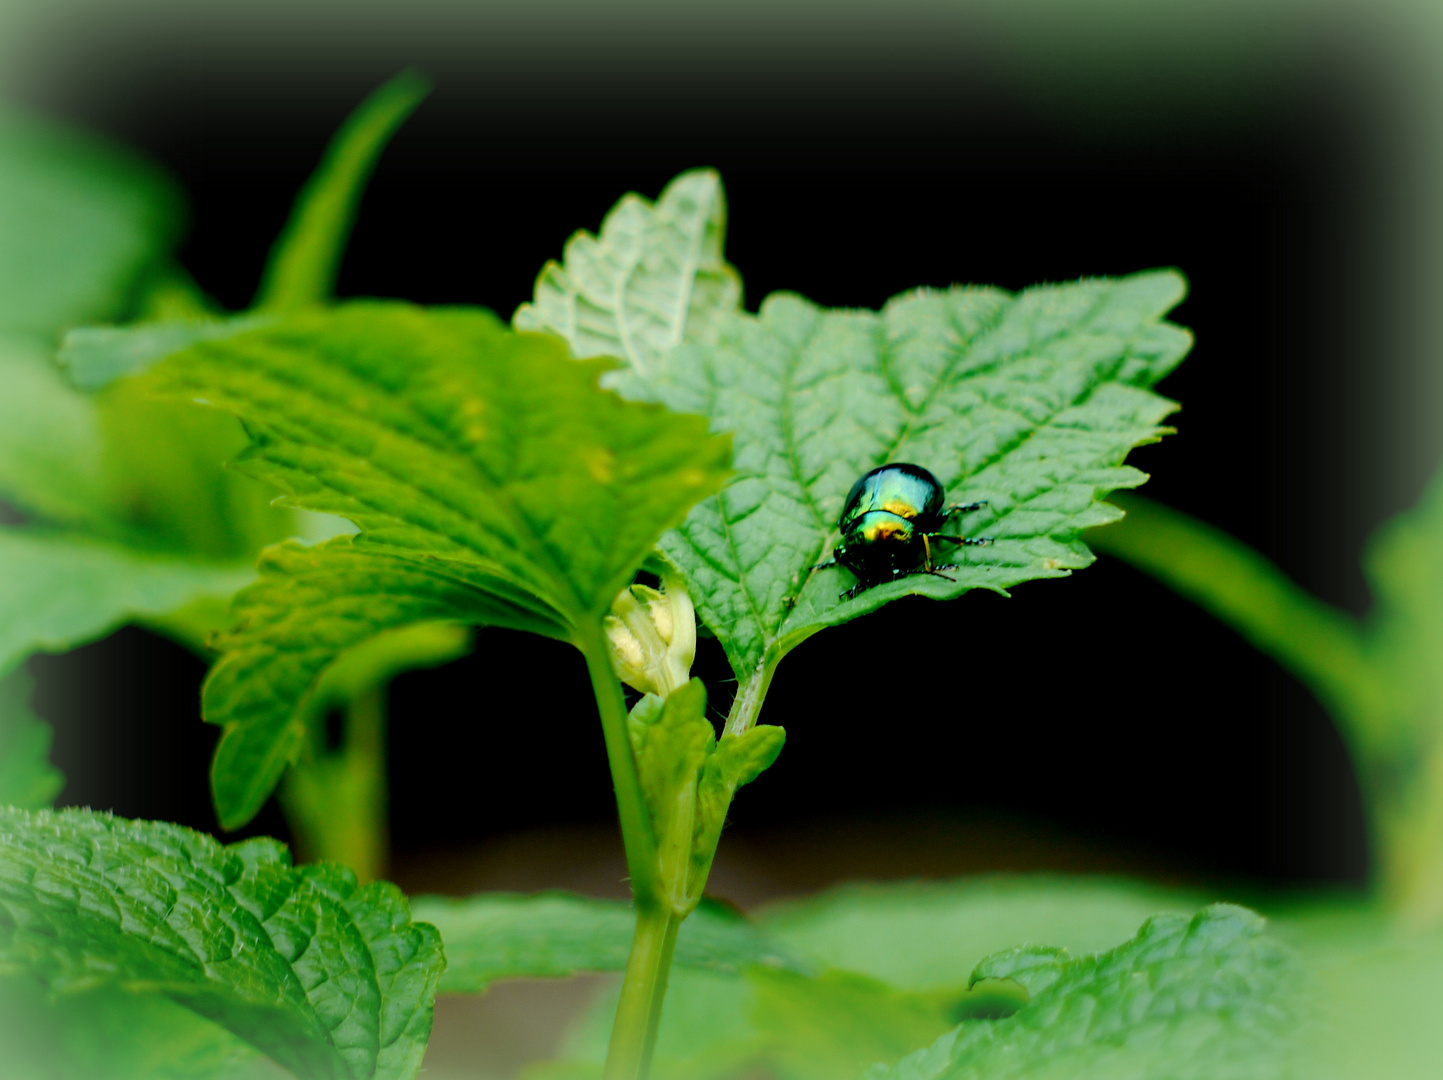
[
  {"x": 638, "y": 1013},
  {"x": 748, "y": 703},
  {"x": 636, "y": 831},
  {"x": 337, "y": 803}
]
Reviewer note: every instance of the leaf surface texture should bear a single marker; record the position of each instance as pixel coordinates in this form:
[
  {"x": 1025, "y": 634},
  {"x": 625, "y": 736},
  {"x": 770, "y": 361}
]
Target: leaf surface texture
[{"x": 326, "y": 978}]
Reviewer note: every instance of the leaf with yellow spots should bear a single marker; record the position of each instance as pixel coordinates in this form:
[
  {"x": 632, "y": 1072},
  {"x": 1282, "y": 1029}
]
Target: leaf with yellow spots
[{"x": 488, "y": 468}]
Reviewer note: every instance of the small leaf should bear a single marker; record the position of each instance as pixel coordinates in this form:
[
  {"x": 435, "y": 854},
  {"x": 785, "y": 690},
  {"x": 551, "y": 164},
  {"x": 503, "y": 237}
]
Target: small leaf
[
  {"x": 1206, "y": 997},
  {"x": 1033, "y": 967},
  {"x": 1029, "y": 402},
  {"x": 95, "y": 356},
  {"x": 307, "y": 256},
  {"x": 80, "y": 224},
  {"x": 27, "y": 779},
  {"x": 495, "y": 936},
  {"x": 653, "y": 279},
  {"x": 736, "y": 761},
  {"x": 327, "y": 979},
  {"x": 61, "y": 590},
  {"x": 672, "y": 740}
]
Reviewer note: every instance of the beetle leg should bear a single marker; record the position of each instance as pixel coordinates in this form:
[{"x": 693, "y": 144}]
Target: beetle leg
[
  {"x": 926, "y": 553},
  {"x": 960, "y": 509},
  {"x": 968, "y": 541}
]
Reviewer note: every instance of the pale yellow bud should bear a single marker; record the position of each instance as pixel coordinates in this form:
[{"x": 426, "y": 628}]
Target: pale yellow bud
[{"x": 652, "y": 636}]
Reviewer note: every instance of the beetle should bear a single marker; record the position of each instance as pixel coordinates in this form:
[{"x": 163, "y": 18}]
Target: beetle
[{"x": 890, "y": 522}]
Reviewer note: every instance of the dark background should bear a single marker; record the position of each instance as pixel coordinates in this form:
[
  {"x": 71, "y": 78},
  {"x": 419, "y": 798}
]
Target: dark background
[{"x": 1099, "y": 708}]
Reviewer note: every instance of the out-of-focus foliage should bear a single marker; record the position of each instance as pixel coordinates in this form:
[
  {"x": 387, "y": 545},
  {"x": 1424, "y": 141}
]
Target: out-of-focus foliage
[
  {"x": 494, "y": 936},
  {"x": 1382, "y": 678},
  {"x": 124, "y": 511},
  {"x": 27, "y": 779},
  {"x": 1216, "y": 983}
]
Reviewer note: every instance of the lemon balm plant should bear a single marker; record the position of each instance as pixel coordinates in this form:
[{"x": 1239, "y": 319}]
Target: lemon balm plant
[{"x": 634, "y": 454}]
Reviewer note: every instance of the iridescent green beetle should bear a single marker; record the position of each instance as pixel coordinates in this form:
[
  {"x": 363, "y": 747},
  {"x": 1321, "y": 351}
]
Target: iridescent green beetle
[{"x": 891, "y": 519}]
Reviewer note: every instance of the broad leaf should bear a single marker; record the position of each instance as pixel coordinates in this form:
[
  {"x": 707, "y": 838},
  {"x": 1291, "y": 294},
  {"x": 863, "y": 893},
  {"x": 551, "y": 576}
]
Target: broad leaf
[
  {"x": 80, "y": 224},
  {"x": 1208, "y": 997},
  {"x": 653, "y": 279},
  {"x": 95, "y": 356},
  {"x": 909, "y": 950},
  {"x": 833, "y": 1027},
  {"x": 327, "y": 979},
  {"x": 495, "y": 936},
  {"x": 1377, "y": 987},
  {"x": 27, "y": 779},
  {"x": 491, "y": 479},
  {"x": 1029, "y": 402},
  {"x": 931, "y": 936},
  {"x": 110, "y": 1034},
  {"x": 62, "y": 590}
]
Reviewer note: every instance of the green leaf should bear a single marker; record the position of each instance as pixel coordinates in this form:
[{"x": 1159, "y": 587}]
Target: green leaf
[
  {"x": 50, "y": 442},
  {"x": 309, "y": 608},
  {"x": 1208, "y": 997},
  {"x": 109, "y": 1034},
  {"x": 492, "y": 480},
  {"x": 307, "y": 256},
  {"x": 931, "y": 936},
  {"x": 653, "y": 279},
  {"x": 923, "y": 940},
  {"x": 95, "y": 356},
  {"x": 833, "y": 1027},
  {"x": 27, "y": 779},
  {"x": 1376, "y": 986},
  {"x": 495, "y": 936},
  {"x": 672, "y": 740},
  {"x": 441, "y": 434},
  {"x": 707, "y": 1032},
  {"x": 62, "y": 590},
  {"x": 1033, "y": 967},
  {"x": 80, "y": 224},
  {"x": 736, "y": 761},
  {"x": 1028, "y": 401},
  {"x": 325, "y": 978}
]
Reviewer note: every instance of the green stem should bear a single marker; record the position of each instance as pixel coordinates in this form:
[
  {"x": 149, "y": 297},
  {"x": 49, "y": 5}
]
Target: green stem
[
  {"x": 1322, "y": 646},
  {"x": 636, "y": 831},
  {"x": 337, "y": 803},
  {"x": 747, "y": 705},
  {"x": 638, "y": 1013}
]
